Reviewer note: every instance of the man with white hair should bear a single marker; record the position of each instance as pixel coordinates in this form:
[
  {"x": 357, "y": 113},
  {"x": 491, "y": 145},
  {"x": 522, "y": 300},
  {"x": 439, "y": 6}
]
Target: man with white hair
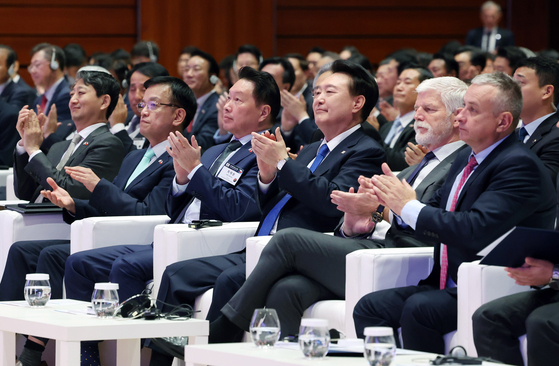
[
  {"x": 492, "y": 186},
  {"x": 490, "y": 37}
]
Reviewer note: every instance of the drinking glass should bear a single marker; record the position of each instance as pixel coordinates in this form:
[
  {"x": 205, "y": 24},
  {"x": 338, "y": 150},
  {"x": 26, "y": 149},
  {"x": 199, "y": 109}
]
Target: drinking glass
[
  {"x": 105, "y": 299},
  {"x": 265, "y": 327},
  {"x": 314, "y": 337},
  {"x": 380, "y": 348},
  {"x": 37, "y": 289}
]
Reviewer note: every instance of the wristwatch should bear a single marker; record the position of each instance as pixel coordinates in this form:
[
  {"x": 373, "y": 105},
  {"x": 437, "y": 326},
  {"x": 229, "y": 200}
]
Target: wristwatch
[
  {"x": 554, "y": 281},
  {"x": 282, "y": 162},
  {"x": 377, "y": 215}
]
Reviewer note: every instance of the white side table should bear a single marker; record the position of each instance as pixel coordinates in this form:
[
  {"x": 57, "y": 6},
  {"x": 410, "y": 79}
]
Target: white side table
[{"x": 69, "y": 329}]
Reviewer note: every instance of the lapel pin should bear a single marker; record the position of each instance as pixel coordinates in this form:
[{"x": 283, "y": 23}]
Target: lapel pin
[
  {"x": 203, "y": 111},
  {"x": 160, "y": 161},
  {"x": 250, "y": 150},
  {"x": 86, "y": 143},
  {"x": 69, "y": 124},
  {"x": 343, "y": 152}
]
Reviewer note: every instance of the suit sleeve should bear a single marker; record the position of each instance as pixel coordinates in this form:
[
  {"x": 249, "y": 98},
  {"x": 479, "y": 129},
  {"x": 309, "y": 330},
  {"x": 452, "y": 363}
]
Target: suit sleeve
[
  {"x": 315, "y": 191},
  {"x": 231, "y": 203},
  {"x": 104, "y": 156},
  {"x": 127, "y": 142},
  {"x": 395, "y": 156},
  {"x": 507, "y": 199},
  {"x": 205, "y": 136}
]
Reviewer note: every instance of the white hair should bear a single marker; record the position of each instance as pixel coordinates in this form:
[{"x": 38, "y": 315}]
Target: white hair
[
  {"x": 490, "y": 4},
  {"x": 450, "y": 89}
]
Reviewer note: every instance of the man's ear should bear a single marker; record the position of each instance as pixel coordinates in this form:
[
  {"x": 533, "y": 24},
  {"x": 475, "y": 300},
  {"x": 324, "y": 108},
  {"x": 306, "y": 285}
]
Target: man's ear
[
  {"x": 505, "y": 122},
  {"x": 265, "y": 111},
  {"x": 106, "y": 101},
  {"x": 180, "y": 115},
  {"x": 358, "y": 103},
  {"x": 548, "y": 92}
]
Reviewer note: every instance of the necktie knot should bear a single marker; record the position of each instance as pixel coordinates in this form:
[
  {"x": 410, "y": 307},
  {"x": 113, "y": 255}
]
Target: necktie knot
[
  {"x": 472, "y": 162},
  {"x": 232, "y": 146},
  {"x": 322, "y": 152},
  {"x": 149, "y": 154},
  {"x": 522, "y": 133}
]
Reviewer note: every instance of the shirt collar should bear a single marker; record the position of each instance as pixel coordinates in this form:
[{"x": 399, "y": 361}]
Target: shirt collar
[
  {"x": 406, "y": 118},
  {"x": 49, "y": 93},
  {"x": 89, "y": 129},
  {"x": 200, "y": 101},
  {"x": 338, "y": 139},
  {"x": 243, "y": 140},
  {"x": 160, "y": 148},
  {"x": 480, "y": 157},
  {"x": 444, "y": 151},
  {"x": 532, "y": 126}
]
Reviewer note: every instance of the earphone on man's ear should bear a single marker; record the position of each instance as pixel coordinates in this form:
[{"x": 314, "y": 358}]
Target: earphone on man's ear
[
  {"x": 152, "y": 56},
  {"x": 214, "y": 79},
  {"x": 12, "y": 70},
  {"x": 53, "y": 63}
]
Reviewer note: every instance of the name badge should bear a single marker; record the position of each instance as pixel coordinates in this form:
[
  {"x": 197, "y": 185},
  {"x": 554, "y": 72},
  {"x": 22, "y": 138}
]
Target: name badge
[
  {"x": 230, "y": 173},
  {"x": 139, "y": 142}
]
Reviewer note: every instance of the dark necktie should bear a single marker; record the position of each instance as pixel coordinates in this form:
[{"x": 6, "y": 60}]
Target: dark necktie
[
  {"x": 233, "y": 145},
  {"x": 472, "y": 163},
  {"x": 522, "y": 133},
  {"x": 487, "y": 40},
  {"x": 270, "y": 219},
  {"x": 411, "y": 179}
]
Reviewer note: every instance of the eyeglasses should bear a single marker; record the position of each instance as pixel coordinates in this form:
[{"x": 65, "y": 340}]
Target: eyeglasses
[
  {"x": 152, "y": 105},
  {"x": 35, "y": 65}
]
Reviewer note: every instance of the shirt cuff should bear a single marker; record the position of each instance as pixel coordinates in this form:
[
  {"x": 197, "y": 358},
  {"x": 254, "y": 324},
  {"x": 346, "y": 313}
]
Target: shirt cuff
[
  {"x": 178, "y": 189},
  {"x": 117, "y": 128},
  {"x": 303, "y": 119},
  {"x": 193, "y": 171},
  {"x": 34, "y": 154},
  {"x": 286, "y": 133},
  {"x": 264, "y": 186},
  {"x": 411, "y": 211},
  {"x": 20, "y": 150}
]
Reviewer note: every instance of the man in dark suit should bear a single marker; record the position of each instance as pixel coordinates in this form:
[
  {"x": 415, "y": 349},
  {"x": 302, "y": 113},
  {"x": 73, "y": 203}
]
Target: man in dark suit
[
  {"x": 139, "y": 188},
  {"x": 11, "y": 92},
  {"x": 300, "y": 267},
  {"x": 47, "y": 71},
  {"x": 539, "y": 82},
  {"x": 491, "y": 187},
  {"x": 8, "y": 120},
  {"x": 201, "y": 189},
  {"x": 201, "y": 73},
  {"x": 490, "y": 37},
  {"x": 398, "y": 133},
  {"x": 93, "y": 146}
]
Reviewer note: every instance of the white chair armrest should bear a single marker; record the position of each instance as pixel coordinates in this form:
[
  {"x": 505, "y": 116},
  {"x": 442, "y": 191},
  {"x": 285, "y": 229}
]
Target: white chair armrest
[
  {"x": 99, "y": 232},
  {"x": 173, "y": 243},
  {"x": 371, "y": 270},
  {"x": 255, "y": 246},
  {"x": 477, "y": 285},
  {"x": 16, "y": 227},
  {"x": 10, "y": 191}
]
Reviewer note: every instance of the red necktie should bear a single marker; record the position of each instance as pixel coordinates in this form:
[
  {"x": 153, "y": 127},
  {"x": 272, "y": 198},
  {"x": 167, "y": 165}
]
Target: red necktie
[
  {"x": 444, "y": 256},
  {"x": 44, "y": 104}
]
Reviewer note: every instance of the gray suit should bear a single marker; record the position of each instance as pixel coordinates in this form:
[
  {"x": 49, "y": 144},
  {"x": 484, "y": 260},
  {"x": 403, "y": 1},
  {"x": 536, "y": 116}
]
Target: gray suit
[
  {"x": 100, "y": 151},
  {"x": 299, "y": 267}
]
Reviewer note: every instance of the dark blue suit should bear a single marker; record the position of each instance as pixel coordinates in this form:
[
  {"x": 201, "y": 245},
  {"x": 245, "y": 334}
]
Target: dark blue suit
[
  {"x": 132, "y": 265},
  {"x": 510, "y": 187},
  {"x": 18, "y": 96},
  {"x": 503, "y": 38},
  {"x": 309, "y": 208},
  {"x": 206, "y": 123},
  {"x": 9, "y": 136},
  {"x": 144, "y": 196}
]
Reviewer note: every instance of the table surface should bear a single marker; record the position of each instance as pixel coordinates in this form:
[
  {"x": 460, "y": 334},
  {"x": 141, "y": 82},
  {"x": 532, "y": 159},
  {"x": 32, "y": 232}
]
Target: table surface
[
  {"x": 247, "y": 354},
  {"x": 55, "y": 322}
]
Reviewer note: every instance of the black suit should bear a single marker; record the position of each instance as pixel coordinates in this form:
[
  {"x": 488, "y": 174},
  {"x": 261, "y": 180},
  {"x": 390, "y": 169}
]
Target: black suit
[
  {"x": 309, "y": 208},
  {"x": 9, "y": 135},
  {"x": 18, "y": 96},
  {"x": 205, "y": 124},
  {"x": 60, "y": 98},
  {"x": 100, "y": 151},
  {"x": 395, "y": 155},
  {"x": 544, "y": 142},
  {"x": 510, "y": 187},
  {"x": 503, "y": 38}
]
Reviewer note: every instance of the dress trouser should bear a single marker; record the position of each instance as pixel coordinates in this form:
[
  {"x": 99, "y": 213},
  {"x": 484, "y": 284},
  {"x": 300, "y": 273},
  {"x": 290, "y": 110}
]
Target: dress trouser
[
  {"x": 424, "y": 312},
  {"x": 131, "y": 266},
  {"x": 297, "y": 268},
  {"x": 41, "y": 256},
  {"x": 183, "y": 282},
  {"x": 498, "y": 324}
]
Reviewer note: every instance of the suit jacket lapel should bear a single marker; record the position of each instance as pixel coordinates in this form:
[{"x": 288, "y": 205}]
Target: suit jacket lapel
[
  {"x": 543, "y": 129},
  {"x": 157, "y": 164},
  {"x": 83, "y": 147},
  {"x": 341, "y": 149},
  {"x": 242, "y": 153}
]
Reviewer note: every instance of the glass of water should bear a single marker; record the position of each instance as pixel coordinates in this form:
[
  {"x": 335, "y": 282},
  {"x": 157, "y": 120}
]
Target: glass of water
[
  {"x": 105, "y": 299},
  {"x": 37, "y": 289},
  {"x": 314, "y": 337},
  {"x": 380, "y": 348},
  {"x": 265, "y": 327}
]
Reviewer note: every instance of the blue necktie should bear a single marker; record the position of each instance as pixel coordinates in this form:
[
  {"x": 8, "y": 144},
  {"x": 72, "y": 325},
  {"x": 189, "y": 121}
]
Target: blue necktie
[
  {"x": 273, "y": 215},
  {"x": 395, "y": 129},
  {"x": 522, "y": 133},
  {"x": 144, "y": 163},
  {"x": 430, "y": 155}
]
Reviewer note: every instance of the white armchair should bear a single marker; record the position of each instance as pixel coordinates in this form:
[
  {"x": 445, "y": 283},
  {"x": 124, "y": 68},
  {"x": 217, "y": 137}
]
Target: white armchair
[
  {"x": 99, "y": 232},
  {"x": 5, "y": 183},
  {"x": 16, "y": 227},
  {"x": 173, "y": 243},
  {"x": 477, "y": 285}
]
